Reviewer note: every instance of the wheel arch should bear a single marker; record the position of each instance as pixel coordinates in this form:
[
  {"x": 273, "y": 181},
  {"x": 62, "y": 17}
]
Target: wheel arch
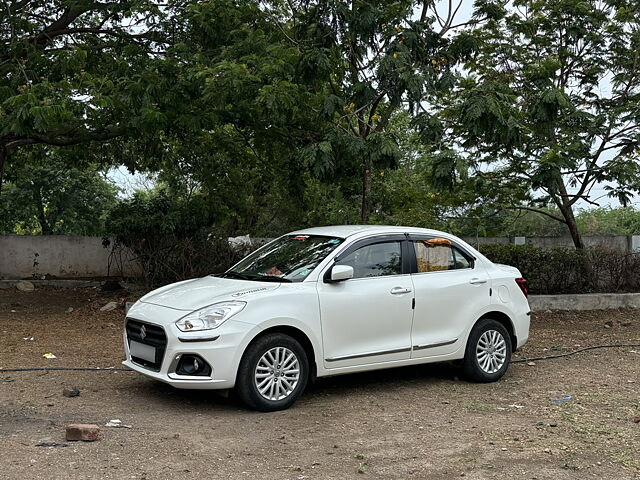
[
  {"x": 506, "y": 322},
  {"x": 299, "y": 336}
]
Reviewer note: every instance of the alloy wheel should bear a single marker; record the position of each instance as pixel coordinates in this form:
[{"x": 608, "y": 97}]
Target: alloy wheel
[
  {"x": 491, "y": 351},
  {"x": 277, "y": 373}
]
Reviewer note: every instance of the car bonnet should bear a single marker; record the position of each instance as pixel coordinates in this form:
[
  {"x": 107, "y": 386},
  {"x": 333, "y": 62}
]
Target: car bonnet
[{"x": 201, "y": 292}]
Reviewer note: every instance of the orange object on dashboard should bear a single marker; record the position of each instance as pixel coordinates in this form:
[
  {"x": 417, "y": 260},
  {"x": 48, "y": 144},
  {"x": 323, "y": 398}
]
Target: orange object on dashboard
[{"x": 437, "y": 242}]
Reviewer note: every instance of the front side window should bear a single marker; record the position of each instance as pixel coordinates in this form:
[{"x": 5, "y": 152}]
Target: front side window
[
  {"x": 289, "y": 259},
  {"x": 375, "y": 260},
  {"x": 439, "y": 254}
]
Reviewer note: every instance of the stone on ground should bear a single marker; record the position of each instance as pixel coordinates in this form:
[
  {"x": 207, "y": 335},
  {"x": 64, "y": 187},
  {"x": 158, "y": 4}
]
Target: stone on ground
[
  {"x": 109, "y": 306},
  {"x": 25, "y": 286}
]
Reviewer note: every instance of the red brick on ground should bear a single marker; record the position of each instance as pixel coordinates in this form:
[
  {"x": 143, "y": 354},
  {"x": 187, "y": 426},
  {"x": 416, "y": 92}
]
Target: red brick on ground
[{"x": 83, "y": 431}]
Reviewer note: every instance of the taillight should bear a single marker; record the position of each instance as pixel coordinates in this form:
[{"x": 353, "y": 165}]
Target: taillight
[{"x": 524, "y": 286}]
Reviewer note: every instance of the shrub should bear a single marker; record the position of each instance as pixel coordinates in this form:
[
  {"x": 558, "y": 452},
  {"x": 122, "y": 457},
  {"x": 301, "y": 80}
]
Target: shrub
[
  {"x": 567, "y": 270},
  {"x": 171, "y": 237}
]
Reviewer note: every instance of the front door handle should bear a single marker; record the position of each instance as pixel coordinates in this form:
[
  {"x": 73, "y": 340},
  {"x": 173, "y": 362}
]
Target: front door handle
[
  {"x": 477, "y": 281},
  {"x": 400, "y": 290}
]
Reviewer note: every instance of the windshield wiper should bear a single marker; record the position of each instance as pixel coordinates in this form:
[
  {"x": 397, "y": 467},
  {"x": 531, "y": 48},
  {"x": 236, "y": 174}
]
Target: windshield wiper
[
  {"x": 232, "y": 274},
  {"x": 270, "y": 278},
  {"x": 255, "y": 278}
]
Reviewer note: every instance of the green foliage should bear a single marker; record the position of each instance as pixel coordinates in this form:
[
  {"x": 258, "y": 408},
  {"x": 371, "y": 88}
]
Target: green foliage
[
  {"x": 262, "y": 117},
  {"x": 361, "y": 63},
  {"x": 599, "y": 221},
  {"x": 75, "y": 72},
  {"x": 606, "y": 221},
  {"x": 43, "y": 195},
  {"x": 325, "y": 204},
  {"x": 157, "y": 213},
  {"x": 171, "y": 236},
  {"x": 549, "y": 108},
  {"x": 569, "y": 270}
]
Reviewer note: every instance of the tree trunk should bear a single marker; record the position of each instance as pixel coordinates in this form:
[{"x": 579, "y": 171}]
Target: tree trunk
[
  {"x": 567, "y": 213},
  {"x": 42, "y": 217},
  {"x": 562, "y": 201},
  {"x": 586, "y": 277},
  {"x": 366, "y": 194},
  {"x": 4, "y": 155}
]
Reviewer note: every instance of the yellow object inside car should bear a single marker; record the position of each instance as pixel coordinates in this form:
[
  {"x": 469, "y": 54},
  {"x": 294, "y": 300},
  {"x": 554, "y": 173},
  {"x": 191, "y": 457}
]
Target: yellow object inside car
[{"x": 433, "y": 255}]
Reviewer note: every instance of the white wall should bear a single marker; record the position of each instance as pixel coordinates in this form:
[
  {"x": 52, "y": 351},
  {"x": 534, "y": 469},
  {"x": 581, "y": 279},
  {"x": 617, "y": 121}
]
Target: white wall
[{"x": 26, "y": 256}]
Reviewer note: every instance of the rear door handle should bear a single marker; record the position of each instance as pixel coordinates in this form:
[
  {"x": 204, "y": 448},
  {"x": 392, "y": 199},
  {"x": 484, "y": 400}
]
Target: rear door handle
[
  {"x": 400, "y": 290},
  {"x": 477, "y": 281}
]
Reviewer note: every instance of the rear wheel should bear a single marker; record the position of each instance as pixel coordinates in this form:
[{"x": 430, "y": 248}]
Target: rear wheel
[
  {"x": 273, "y": 373},
  {"x": 488, "y": 352}
]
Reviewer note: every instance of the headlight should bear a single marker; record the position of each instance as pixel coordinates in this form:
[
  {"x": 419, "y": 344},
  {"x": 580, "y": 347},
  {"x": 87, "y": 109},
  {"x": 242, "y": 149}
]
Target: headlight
[{"x": 209, "y": 317}]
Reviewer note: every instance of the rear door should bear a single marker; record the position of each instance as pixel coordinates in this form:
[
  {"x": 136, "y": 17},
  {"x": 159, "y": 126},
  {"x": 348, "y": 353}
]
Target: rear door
[{"x": 450, "y": 289}]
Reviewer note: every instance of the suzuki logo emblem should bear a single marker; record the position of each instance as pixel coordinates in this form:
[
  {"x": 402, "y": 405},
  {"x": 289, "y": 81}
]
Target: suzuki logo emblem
[{"x": 143, "y": 332}]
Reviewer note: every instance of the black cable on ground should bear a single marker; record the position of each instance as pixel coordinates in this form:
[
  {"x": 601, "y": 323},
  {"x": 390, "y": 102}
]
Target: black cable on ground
[
  {"x": 594, "y": 347},
  {"x": 107, "y": 369}
]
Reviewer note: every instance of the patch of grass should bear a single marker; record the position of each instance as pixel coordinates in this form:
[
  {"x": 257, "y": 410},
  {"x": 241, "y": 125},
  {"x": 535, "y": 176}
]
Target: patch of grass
[
  {"x": 557, "y": 348},
  {"x": 363, "y": 464},
  {"x": 598, "y": 430},
  {"x": 478, "y": 407},
  {"x": 624, "y": 458}
]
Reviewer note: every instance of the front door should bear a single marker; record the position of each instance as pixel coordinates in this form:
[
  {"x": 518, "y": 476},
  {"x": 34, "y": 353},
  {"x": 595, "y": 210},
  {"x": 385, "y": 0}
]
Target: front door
[{"x": 367, "y": 319}]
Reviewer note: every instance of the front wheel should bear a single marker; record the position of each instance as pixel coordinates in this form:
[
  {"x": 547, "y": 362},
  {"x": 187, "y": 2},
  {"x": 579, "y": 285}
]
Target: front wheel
[
  {"x": 273, "y": 373},
  {"x": 488, "y": 352}
]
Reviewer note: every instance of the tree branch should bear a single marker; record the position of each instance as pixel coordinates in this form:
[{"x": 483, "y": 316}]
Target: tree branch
[
  {"x": 541, "y": 212},
  {"x": 63, "y": 140},
  {"x": 96, "y": 30}
]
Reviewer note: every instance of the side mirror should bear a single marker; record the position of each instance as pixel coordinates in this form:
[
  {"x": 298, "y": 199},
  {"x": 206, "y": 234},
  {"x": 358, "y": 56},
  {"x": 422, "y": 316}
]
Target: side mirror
[{"x": 341, "y": 272}]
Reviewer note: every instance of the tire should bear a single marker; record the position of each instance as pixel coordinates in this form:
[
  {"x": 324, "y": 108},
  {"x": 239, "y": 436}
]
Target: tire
[
  {"x": 273, "y": 373},
  {"x": 488, "y": 352}
]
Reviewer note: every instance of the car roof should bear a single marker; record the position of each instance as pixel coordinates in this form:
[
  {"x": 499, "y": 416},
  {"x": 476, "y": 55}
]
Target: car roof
[{"x": 344, "y": 231}]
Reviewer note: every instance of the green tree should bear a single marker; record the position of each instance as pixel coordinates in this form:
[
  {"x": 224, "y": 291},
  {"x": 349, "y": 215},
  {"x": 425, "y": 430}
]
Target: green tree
[
  {"x": 43, "y": 195},
  {"x": 365, "y": 61},
  {"x": 78, "y": 71},
  {"x": 610, "y": 221},
  {"x": 549, "y": 108}
]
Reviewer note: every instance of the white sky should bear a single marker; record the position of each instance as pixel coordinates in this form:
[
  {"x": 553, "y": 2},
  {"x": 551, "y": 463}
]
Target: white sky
[{"x": 129, "y": 183}]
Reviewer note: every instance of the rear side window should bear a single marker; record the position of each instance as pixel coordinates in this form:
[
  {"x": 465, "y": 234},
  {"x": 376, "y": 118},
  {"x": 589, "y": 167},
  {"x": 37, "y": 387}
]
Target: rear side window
[
  {"x": 438, "y": 254},
  {"x": 376, "y": 260}
]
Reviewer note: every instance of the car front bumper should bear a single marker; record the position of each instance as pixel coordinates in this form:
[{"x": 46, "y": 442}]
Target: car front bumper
[{"x": 221, "y": 350}]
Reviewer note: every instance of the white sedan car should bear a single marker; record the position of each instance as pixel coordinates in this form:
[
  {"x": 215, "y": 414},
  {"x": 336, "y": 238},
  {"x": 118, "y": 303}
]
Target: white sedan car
[{"x": 327, "y": 301}]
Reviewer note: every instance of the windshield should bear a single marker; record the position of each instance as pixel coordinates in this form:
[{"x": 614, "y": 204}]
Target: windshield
[{"x": 289, "y": 259}]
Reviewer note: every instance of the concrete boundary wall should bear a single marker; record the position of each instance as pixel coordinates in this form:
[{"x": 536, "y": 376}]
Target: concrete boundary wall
[
  {"x": 584, "y": 301},
  {"x": 623, "y": 243},
  {"x": 61, "y": 256}
]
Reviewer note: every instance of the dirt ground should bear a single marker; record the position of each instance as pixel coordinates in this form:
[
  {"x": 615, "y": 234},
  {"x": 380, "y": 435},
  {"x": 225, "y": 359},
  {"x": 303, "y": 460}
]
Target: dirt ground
[{"x": 416, "y": 422}]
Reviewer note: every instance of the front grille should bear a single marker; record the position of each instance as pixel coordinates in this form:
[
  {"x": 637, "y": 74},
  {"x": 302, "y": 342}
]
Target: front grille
[{"x": 153, "y": 335}]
